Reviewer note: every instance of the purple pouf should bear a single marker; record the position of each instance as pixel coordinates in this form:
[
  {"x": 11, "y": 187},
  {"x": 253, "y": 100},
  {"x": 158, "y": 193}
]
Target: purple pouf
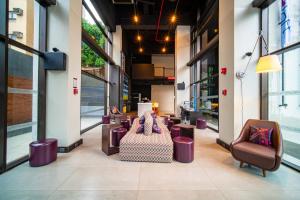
[
  {"x": 201, "y": 123},
  {"x": 117, "y": 135},
  {"x": 105, "y": 119},
  {"x": 125, "y": 124},
  {"x": 183, "y": 149},
  {"x": 42, "y": 152},
  {"x": 175, "y": 132}
]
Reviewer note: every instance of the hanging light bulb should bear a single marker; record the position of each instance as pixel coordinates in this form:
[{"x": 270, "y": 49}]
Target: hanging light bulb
[
  {"x": 173, "y": 19},
  {"x": 141, "y": 50},
  {"x": 167, "y": 38},
  {"x": 139, "y": 37},
  {"x": 164, "y": 50},
  {"x": 135, "y": 18}
]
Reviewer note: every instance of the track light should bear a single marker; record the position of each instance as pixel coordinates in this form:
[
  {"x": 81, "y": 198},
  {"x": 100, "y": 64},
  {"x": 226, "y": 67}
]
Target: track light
[
  {"x": 141, "y": 50},
  {"x": 139, "y": 38},
  {"x": 164, "y": 50},
  {"x": 173, "y": 19},
  {"x": 135, "y": 18},
  {"x": 167, "y": 38}
]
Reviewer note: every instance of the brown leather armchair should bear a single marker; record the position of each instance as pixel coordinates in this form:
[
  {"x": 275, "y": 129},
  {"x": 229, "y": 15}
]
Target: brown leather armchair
[{"x": 266, "y": 158}]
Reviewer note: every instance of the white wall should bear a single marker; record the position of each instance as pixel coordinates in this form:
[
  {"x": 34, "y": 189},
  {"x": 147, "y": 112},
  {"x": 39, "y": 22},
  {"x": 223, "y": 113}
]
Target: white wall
[
  {"x": 182, "y": 72},
  {"x": 164, "y": 95},
  {"x": 63, "y": 107},
  {"x": 238, "y": 31}
]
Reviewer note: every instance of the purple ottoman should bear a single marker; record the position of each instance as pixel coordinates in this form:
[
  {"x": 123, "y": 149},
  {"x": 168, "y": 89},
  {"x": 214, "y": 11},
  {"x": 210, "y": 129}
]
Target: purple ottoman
[
  {"x": 117, "y": 135},
  {"x": 201, "y": 123},
  {"x": 175, "y": 132},
  {"x": 42, "y": 152},
  {"x": 105, "y": 119},
  {"x": 125, "y": 124},
  {"x": 183, "y": 149},
  {"x": 170, "y": 124},
  {"x": 166, "y": 119}
]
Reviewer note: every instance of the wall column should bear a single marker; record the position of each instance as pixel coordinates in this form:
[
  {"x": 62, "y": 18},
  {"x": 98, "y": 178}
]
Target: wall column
[
  {"x": 63, "y": 107},
  {"x": 182, "y": 71},
  {"x": 238, "y": 32}
]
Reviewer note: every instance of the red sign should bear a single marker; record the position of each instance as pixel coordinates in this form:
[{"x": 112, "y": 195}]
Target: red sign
[{"x": 171, "y": 78}]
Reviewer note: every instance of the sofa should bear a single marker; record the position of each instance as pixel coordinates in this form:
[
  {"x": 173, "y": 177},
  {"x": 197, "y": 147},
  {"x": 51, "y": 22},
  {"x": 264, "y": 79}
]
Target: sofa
[{"x": 147, "y": 148}]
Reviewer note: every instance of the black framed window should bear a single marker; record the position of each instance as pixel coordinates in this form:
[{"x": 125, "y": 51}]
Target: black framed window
[
  {"x": 204, "y": 70},
  {"x": 22, "y": 79},
  {"x": 281, "y": 90},
  {"x": 95, "y": 59}
]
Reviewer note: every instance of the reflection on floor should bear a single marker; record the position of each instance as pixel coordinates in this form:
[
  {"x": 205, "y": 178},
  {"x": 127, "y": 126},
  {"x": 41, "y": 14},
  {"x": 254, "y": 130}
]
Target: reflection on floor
[{"x": 86, "y": 173}]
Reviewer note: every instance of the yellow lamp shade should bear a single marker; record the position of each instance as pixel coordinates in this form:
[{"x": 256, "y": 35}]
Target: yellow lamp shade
[{"x": 269, "y": 63}]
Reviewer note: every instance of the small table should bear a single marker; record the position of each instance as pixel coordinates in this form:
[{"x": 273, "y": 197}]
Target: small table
[
  {"x": 176, "y": 120},
  {"x": 186, "y": 130},
  {"x": 107, "y": 147}
]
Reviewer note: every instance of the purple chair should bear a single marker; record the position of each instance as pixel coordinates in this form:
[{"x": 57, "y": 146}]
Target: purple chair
[
  {"x": 125, "y": 124},
  {"x": 183, "y": 149},
  {"x": 170, "y": 124},
  {"x": 105, "y": 119},
  {"x": 117, "y": 135},
  {"x": 175, "y": 132},
  {"x": 201, "y": 123},
  {"x": 42, "y": 152}
]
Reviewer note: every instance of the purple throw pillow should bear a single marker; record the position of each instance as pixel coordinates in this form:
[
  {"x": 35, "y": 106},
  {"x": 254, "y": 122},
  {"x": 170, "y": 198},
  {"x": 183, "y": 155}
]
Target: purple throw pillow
[
  {"x": 153, "y": 115},
  {"x": 140, "y": 129},
  {"x": 261, "y": 136},
  {"x": 142, "y": 119},
  {"x": 156, "y": 129}
]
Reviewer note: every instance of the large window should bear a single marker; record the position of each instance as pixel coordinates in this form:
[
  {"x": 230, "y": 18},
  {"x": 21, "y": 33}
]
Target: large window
[
  {"x": 204, "y": 68},
  {"x": 283, "y": 88},
  {"x": 95, "y": 56},
  {"x": 21, "y": 118}
]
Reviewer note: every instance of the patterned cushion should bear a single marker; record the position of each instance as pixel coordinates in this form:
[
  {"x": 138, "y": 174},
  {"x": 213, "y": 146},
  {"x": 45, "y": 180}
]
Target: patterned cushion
[
  {"x": 262, "y": 136},
  {"x": 142, "y": 119},
  {"x": 148, "y": 123},
  {"x": 156, "y": 129},
  {"x": 140, "y": 129}
]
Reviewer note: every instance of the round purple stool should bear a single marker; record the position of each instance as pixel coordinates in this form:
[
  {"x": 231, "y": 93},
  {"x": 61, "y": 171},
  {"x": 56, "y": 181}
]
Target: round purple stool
[
  {"x": 105, "y": 119},
  {"x": 117, "y": 135},
  {"x": 175, "y": 132},
  {"x": 201, "y": 123},
  {"x": 42, "y": 152},
  {"x": 183, "y": 149},
  {"x": 125, "y": 124},
  {"x": 166, "y": 119},
  {"x": 170, "y": 124}
]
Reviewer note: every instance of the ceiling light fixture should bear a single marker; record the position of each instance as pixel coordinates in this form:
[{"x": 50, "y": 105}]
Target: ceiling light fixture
[
  {"x": 173, "y": 19},
  {"x": 139, "y": 38},
  {"x": 135, "y": 18},
  {"x": 141, "y": 50},
  {"x": 164, "y": 50},
  {"x": 167, "y": 38}
]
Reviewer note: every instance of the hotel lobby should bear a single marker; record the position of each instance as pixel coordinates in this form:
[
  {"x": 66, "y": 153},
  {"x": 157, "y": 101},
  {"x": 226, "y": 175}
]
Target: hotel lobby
[{"x": 142, "y": 99}]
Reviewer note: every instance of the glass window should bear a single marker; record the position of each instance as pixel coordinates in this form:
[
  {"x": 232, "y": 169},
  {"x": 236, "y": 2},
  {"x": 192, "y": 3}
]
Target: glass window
[
  {"x": 284, "y": 103},
  {"x": 23, "y": 22},
  {"x": 92, "y": 101},
  {"x": 22, "y": 102},
  {"x": 284, "y": 23}
]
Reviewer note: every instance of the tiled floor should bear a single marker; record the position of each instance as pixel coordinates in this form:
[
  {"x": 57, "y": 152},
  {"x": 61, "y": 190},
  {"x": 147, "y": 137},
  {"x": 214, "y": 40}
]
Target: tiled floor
[{"x": 87, "y": 173}]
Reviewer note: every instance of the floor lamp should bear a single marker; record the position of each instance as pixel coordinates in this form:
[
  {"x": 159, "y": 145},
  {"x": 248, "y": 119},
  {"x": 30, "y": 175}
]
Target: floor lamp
[{"x": 267, "y": 63}]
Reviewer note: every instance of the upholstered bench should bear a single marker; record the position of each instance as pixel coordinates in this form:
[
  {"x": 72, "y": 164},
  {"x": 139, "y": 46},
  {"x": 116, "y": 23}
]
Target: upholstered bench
[
  {"x": 117, "y": 135},
  {"x": 42, "y": 152},
  {"x": 183, "y": 149},
  {"x": 201, "y": 123}
]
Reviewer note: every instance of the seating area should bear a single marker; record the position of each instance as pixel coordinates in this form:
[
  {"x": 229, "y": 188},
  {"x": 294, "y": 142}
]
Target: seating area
[{"x": 149, "y": 99}]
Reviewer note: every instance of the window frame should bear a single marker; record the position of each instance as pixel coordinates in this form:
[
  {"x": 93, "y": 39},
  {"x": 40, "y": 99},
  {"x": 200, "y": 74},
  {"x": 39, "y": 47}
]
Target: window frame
[{"x": 5, "y": 42}]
